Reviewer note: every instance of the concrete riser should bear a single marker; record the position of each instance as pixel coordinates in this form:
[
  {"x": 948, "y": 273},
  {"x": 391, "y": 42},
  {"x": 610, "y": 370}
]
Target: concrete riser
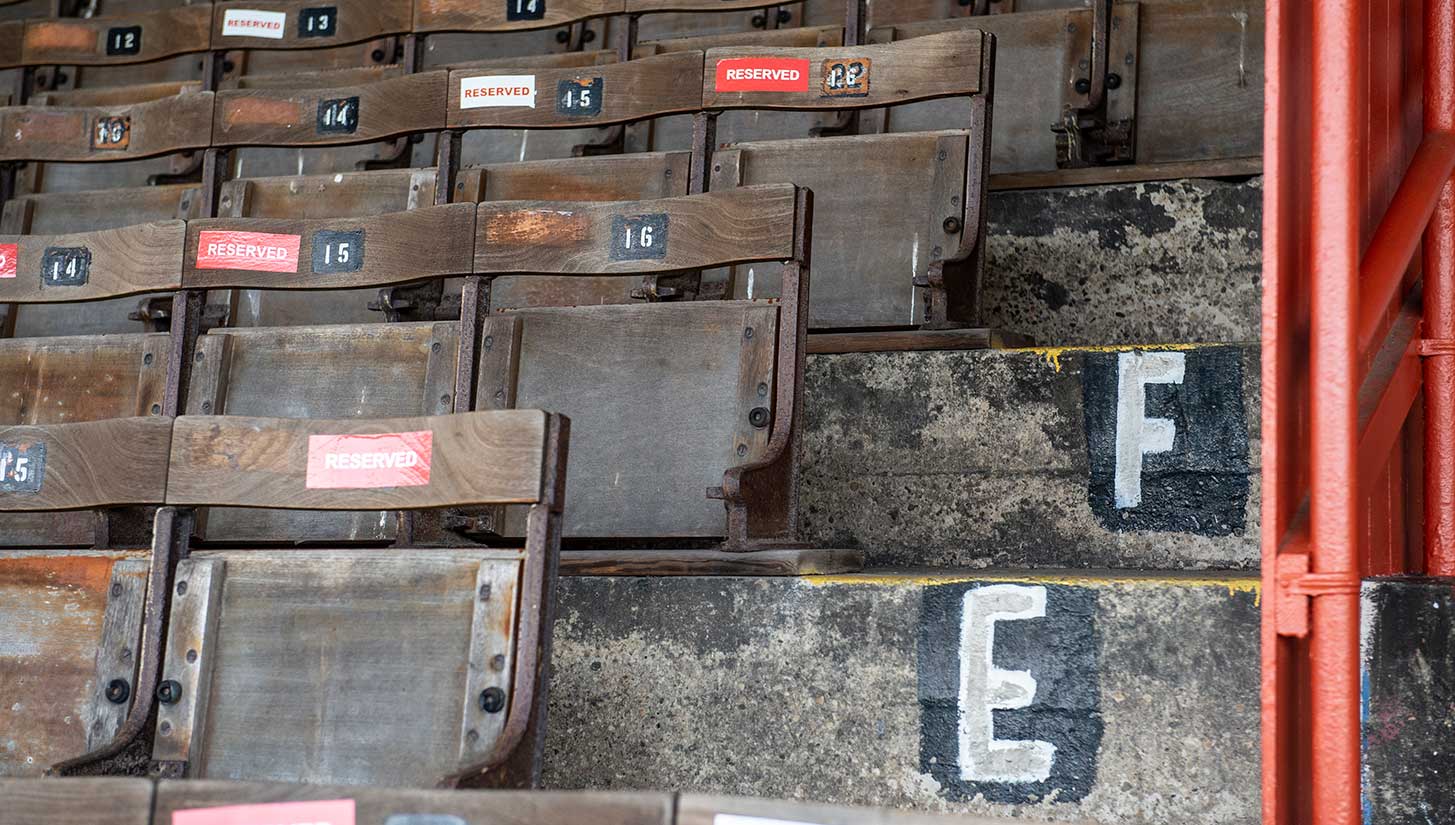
[
  {"x": 1036, "y": 458},
  {"x": 849, "y": 690}
]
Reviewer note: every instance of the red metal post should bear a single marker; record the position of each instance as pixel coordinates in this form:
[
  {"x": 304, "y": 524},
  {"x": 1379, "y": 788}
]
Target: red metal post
[{"x": 1439, "y": 311}]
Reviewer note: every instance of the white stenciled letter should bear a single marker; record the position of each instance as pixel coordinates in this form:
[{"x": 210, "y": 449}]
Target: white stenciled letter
[
  {"x": 1137, "y": 434},
  {"x": 985, "y": 687}
]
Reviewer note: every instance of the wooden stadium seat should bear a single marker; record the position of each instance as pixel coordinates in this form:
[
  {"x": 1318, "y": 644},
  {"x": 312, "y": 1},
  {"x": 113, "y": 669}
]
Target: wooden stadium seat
[
  {"x": 81, "y": 626},
  {"x": 329, "y": 666},
  {"x": 715, "y": 387},
  {"x": 94, "y": 800},
  {"x": 381, "y": 805},
  {"x": 140, "y": 122},
  {"x": 72, "y": 213},
  {"x": 900, "y": 239},
  {"x": 139, "y": 37},
  {"x": 305, "y": 24},
  {"x": 330, "y": 116},
  {"x": 513, "y": 15}
]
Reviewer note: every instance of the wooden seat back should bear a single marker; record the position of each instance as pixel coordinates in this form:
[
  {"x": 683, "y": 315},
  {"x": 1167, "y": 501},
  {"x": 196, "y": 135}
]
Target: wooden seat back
[
  {"x": 513, "y": 15},
  {"x": 394, "y": 804},
  {"x": 305, "y": 24},
  {"x": 100, "y": 800},
  {"x": 330, "y": 666},
  {"x": 138, "y": 37},
  {"x": 901, "y": 238},
  {"x": 74, "y": 650},
  {"x": 679, "y": 404},
  {"x": 134, "y": 124}
]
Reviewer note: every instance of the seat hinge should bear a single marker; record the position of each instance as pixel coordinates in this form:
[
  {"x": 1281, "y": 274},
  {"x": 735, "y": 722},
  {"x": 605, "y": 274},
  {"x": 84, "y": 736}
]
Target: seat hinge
[
  {"x": 1297, "y": 588},
  {"x": 1099, "y": 98}
]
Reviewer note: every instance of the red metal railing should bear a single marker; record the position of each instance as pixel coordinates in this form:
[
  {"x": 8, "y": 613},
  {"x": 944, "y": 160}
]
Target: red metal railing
[{"x": 1359, "y": 149}]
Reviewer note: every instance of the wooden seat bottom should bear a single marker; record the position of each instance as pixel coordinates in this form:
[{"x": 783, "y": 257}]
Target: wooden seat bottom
[{"x": 778, "y": 562}]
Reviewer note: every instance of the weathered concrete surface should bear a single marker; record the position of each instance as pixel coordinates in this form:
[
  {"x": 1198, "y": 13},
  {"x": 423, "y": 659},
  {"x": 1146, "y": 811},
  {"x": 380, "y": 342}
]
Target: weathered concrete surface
[
  {"x": 1409, "y": 700},
  {"x": 824, "y": 691},
  {"x": 1127, "y": 263},
  {"x": 1006, "y": 458}
]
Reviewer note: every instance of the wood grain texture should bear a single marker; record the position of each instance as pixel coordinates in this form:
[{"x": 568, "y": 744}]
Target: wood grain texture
[
  {"x": 55, "y": 213},
  {"x": 653, "y": 394},
  {"x": 940, "y": 65},
  {"x": 638, "y": 89},
  {"x": 117, "y": 653},
  {"x": 356, "y": 20},
  {"x": 792, "y": 562},
  {"x": 94, "y": 463},
  {"x": 400, "y": 247},
  {"x": 475, "y": 16},
  {"x": 581, "y": 238},
  {"x": 345, "y": 666},
  {"x": 83, "y": 41},
  {"x": 52, "y": 606},
  {"x": 188, "y": 660},
  {"x": 12, "y": 39},
  {"x": 67, "y": 379},
  {"x": 337, "y": 195},
  {"x": 874, "y": 231},
  {"x": 478, "y": 458},
  {"x": 697, "y": 809},
  {"x": 58, "y": 133},
  {"x": 126, "y": 261},
  {"x": 634, "y": 176},
  {"x": 79, "y": 801},
  {"x": 374, "y": 371},
  {"x": 377, "y": 805},
  {"x": 798, "y": 36},
  {"x": 651, "y": 6},
  {"x": 289, "y": 117}
]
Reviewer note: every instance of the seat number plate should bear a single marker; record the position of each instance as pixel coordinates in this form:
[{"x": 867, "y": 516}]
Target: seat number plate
[
  {"x": 318, "y": 22},
  {"x": 335, "y": 251},
  {"x": 122, "y": 40},
  {"x": 339, "y": 116},
  {"x": 22, "y": 467},
  {"x": 639, "y": 237},
  {"x": 66, "y": 266},
  {"x": 111, "y": 132}
]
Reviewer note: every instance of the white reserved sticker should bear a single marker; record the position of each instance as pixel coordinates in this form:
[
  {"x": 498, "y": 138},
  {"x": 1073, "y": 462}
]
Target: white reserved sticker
[
  {"x": 735, "y": 819},
  {"x": 253, "y": 23},
  {"x": 499, "y": 90}
]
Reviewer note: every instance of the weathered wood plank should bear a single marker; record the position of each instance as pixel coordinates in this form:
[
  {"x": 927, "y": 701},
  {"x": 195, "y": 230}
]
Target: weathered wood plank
[
  {"x": 474, "y": 16},
  {"x": 52, "y": 606},
  {"x": 876, "y": 229},
  {"x": 188, "y": 662},
  {"x": 132, "y": 38},
  {"x": 107, "y": 133},
  {"x": 845, "y": 77},
  {"x": 331, "y": 117},
  {"x": 697, "y": 809},
  {"x": 583, "y": 238},
  {"x": 635, "y": 176},
  {"x": 378, "y": 805},
  {"x": 88, "y": 464},
  {"x": 436, "y": 461},
  {"x": 429, "y": 242},
  {"x": 577, "y": 96},
  {"x": 341, "y": 666},
  {"x": 88, "y": 801},
  {"x": 85, "y": 266},
  {"x": 491, "y": 655},
  {"x": 305, "y": 24},
  {"x": 654, "y": 399},
  {"x": 12, "y": 39},
  {"x": 81, "y": 378},
  {"x": 119, "y": 652}
]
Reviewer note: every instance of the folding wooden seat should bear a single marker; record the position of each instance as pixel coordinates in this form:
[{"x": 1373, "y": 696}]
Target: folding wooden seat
[
  {"x": 398, "y": 805},
  {"x": 405, "y": 666},
  {"x": 69, "y": 213},
  {"x": 116, "y": 127},
  {"x": 686, "y": 412},
  {"x": 900, "y": 236},
  {"x": 1175, "y": 88},
  {"x": 99, "y": 801},
  {"x": 81, "y": 626},
  {"x": 117, "y": 39}
]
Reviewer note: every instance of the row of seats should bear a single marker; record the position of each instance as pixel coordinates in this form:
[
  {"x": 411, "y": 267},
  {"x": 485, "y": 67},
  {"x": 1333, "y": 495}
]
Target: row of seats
[
  {"x": 239, "y": 695},
  {"x": 298, "y": 24},
  {"x": 139, "y": 802}
]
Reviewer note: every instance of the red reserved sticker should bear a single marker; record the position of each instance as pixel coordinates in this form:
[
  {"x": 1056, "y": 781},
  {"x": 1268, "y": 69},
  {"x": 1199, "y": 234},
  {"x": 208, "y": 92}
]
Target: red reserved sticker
[
  {"x": 762, "y": 74},
  {"x": 325, "y": 812},
  {"x": 258, "y": 251},
  {"x": 9, "y": 252},
  {"x": 353, "y": 462}
]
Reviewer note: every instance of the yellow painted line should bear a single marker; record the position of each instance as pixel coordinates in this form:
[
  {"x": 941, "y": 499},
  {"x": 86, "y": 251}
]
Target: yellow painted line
[
  {"x": 1053, "y": 354},
  {"x": 1234, "y": 583}
]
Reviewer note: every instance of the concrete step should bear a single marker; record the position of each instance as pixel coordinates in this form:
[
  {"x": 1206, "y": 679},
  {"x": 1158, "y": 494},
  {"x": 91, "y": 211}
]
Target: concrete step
[
  {"x": 1177, "y": 260},
  {"x": 1036, "y": 457},
  {"x": 1123, "y": 698}
]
